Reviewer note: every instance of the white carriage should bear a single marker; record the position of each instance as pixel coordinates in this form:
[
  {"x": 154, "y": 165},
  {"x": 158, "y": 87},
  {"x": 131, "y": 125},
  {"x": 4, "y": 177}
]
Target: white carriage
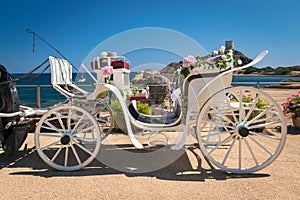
[{"x": 239, "y": 129}]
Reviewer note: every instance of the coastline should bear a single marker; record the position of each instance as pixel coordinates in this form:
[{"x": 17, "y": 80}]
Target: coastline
[{"x": 266, "y": 75}]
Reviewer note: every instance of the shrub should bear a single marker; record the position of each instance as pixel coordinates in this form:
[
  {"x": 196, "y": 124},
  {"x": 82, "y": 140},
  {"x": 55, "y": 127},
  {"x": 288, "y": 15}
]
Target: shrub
[
  {"x": 282, "y": 71},
  {"x": 143, "y": 108}
]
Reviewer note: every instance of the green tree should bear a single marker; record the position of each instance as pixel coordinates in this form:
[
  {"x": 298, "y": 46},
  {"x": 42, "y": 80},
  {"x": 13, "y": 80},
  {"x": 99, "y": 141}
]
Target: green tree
[
  {"x": 282, "y": 71},
  {"x": 250, "y": 70}
]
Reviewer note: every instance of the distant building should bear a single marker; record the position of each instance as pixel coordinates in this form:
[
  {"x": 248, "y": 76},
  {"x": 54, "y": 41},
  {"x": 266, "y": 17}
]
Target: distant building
[{"x": 229, "y": 44}]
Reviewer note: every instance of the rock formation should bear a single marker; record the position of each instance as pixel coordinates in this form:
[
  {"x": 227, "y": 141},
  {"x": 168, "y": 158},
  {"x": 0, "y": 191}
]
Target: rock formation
[{"x": 158, "y": 86}]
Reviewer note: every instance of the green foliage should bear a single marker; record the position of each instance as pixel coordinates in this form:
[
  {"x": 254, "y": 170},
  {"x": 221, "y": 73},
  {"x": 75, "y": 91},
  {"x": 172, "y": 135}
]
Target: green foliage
[
  {"x": 116, "y": 106},
  {"x": 294, "y": 68},
  {"x": 261, "y": 104},
  {"x": 248, "y": 99},
  {"x": 282, "y": 71},
  {"x": 251, "y": 69},
  {"x": 143, "y": 108},
  {"x": 267, "y": 69}
]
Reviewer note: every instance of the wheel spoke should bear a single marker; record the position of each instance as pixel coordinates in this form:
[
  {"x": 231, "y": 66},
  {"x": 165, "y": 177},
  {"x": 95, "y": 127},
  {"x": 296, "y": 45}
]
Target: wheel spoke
[
  {"x": 218, "y": 133},
  {"x": 251, "y": 109},
  {"x": 86, "y": 129},
  {"x": 49, "y": 145},
  {"x": 241, "y": 114},
  {"x": 60, "y": 121},
  {"x": 229, "y": 150},
  {"x": 260, "y": 115},
  {"x": 52, "y": 126},
  {"x": 222, "y": 115},
  {"x": 66, "y": 156},
  {"x": 218, "y": 123},
  {"x": 262, "y": 146},
  {"x": 76, "y": 155},
  {"x": 56, "y": 154},
  {"x": 231, "y": 110},
  {"x": 221, "y": 143},
  {"x": 86, "y": 139},
  {"x": 263, "y": 120},
  {"x": 102, "y": 121},
  {"x": 77, "y": 124},
  {"x": 49, "y": 135},
  {"x": 251, "y": 152},
  {"x": 240, "y": 153},
  {"x": 69, "y": 120},
  {"x": 264, "y": 125},
  {"x": 83, "y": 148},
  {"x": 265, "y": 135}
]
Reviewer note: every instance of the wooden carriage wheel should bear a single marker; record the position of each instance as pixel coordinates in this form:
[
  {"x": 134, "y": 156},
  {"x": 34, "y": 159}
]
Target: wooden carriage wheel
[
  {"x": 241, "y": 130},
  {"x": 67, "y": 137}
]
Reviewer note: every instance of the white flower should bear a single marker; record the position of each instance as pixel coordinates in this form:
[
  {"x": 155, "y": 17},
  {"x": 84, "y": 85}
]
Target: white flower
[
  {"x": 222, "y": 49},
  {"x": 239, "y": 61},
  {"x": 230, "y": 53},
  {"x": 223, "y": 57},
  {"x": 230, "y": 64},
  {"x": 215, "y": 53}
]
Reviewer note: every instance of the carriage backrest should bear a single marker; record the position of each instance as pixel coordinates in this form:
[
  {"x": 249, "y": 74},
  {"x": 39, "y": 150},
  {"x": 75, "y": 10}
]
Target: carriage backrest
[{"x": 61, "y": 71}]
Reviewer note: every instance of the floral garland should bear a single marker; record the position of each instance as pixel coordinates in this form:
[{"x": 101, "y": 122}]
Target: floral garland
[
  {"x": 221, "y": 59},
  {"x": 136, "y": 90}
]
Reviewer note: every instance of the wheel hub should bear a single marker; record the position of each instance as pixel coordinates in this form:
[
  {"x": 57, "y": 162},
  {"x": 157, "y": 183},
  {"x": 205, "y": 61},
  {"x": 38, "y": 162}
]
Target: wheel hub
[
  {"x": 243, "y": 131},
  {"x": 65, "y": 139}
]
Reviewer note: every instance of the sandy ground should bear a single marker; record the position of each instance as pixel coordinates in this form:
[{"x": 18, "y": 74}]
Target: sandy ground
[{"x": 25, "y": 176}]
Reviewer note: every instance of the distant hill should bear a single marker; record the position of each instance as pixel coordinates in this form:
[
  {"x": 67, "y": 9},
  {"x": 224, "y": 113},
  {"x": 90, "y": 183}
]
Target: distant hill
[{"x": 291, "y": 70}]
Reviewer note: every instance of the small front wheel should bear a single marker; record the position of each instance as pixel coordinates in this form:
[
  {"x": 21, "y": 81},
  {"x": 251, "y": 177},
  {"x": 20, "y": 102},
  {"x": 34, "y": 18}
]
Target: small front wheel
[
  {"x": 241, "y": 129},
  {"x": 67, "y": 138}
]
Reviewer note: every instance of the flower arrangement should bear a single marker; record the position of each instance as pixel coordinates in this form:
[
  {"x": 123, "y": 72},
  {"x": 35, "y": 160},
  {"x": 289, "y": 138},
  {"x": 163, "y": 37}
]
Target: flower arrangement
[
  {"x": 107, "y": 71},
  {"x": 292, "y": 106},
  {"x": 139, "y": 90},
  {"x": 221, "y": 59}
]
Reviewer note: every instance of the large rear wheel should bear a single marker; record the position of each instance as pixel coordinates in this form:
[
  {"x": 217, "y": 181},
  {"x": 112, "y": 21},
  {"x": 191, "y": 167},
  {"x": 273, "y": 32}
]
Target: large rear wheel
[{"x": 241, "y": 130}]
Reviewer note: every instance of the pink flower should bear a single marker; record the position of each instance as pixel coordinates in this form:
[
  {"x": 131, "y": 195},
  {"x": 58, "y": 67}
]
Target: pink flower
[
  {"x": 298, "y": 118},
  {"x": 189, "y": 60},
  {"x": 107, "y": 71}
]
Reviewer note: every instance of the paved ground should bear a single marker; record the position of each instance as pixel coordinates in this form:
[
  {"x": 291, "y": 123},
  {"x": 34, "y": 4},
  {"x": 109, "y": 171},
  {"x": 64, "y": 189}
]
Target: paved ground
[{"x": 25, "y": 176}]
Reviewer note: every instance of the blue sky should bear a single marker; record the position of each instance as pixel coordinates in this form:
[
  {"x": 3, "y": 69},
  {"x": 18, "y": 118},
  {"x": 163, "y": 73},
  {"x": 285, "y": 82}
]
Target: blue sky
[{"x": 76, "y": 27}]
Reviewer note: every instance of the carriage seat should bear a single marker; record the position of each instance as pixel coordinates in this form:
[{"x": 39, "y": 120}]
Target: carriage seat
[
  {"x": 166, "y": 119},
  {"x": 61, "y": 78},
  {"x": 120, "y": 64},
  {"x": 207, "y": 75}
]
